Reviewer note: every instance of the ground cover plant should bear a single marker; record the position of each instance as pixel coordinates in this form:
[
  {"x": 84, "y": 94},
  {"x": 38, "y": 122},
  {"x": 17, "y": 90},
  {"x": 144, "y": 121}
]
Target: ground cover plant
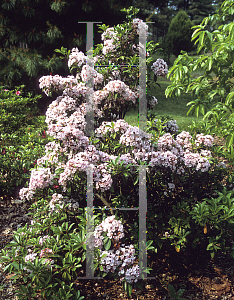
[
  {"x": 187, "y": 204},
  {"x": 22, "y": 138}
]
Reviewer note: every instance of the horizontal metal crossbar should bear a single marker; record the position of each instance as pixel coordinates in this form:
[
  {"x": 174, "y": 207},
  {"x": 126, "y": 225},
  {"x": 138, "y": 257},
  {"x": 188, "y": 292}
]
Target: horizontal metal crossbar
[
  {"x": 115, "y": 65},
  {"x": 122, "y": 208}
]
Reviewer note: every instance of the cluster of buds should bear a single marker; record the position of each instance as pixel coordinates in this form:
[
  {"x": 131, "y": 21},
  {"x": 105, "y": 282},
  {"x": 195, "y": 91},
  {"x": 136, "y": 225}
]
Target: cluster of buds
[{"x": 121, "y": 258}]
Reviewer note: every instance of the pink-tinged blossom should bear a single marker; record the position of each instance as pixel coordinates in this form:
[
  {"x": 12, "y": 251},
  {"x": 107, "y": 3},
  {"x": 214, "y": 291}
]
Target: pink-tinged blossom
[
  {"x": 164, "y": 159},
  {"x": 118, "y": 86},
  {"x": 102, "y": 177},
  {"x": 56, "y": 199},
  {"x": 26, "y": 193},
  {"x": 88, "y": 72},
  {"x": 132, "y": 274},
  {"x": 196, "y": 160},
  {"x": 160, "y": 67},
  {"x": 43, "y": 239},
  {"x": 166, "y": 142},
  {"x": 56, "y": 83},
  {"x": 184, "y": 139},
  {"x": 109, "y": 46},
  {"x": 153, "y": 101},
  {"x": 109, "y": 33},
  {"x": 137, "y": 138},
  {"x": 76, "y": 58},
  {"x": 40, "y": 178},
  {"x": 140, "y": 26},
  {"x": 30, "y": 257},
  {"x": 112, "y": 227},
  {"x": 206, "y": 140},
  {"x": 119, "y": 126},
  {"x": 45, "y": 252}
]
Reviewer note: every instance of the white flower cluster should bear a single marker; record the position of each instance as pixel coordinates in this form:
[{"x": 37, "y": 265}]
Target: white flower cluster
[
  {"x": 88, "y": 72},
  {"x": 159, "y": 67},
  {"x": 119, "y": 125},
  {"x": 110, "y": 38},
  {"x": 43, "y": 254},
  {"x": 140, "y": 26},
  {"x": 122, "y": 257},
  {"x": 136, "y": 137},
  {"x": 206, "y": 140},
  {"x": 153, "y": 102},
  {"x": 120, "y": 87},
  {"x": 76, "y": 57},
  {"x": 171, "y": 126},
  {"x": 56, "y": 83},
  {"x": 112, "y": 227},
  {"x": 196, "y": 160},
  {"x": 40, "y": 178},
  {"x": 175, "y": 154},
  {"x": 30, "y": 257}
]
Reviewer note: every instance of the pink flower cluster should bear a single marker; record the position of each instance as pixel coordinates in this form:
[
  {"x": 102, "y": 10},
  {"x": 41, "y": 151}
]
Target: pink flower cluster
[
  {"x": 196, "y": 160},
  {"x": 159, "y": 67},
  {"x": 137, "y": 138},
  {"x": 40, "y": 178},
  {"x": 139, "y": 25},
  {"x": 56, "y": 83},
  {"x": 112, "y": 227},
  {"x": 76, "y": 58},
  {"x": 119, "y": 125},
  {"x": 117, "y": 86},
  {"x": 153, "y": 102},
  {"x": 44, "y": 253},
  {"x": 122, "y": 257},
  {"x": 88, "y": 72},
  {"x": 176, "y": 154},
  {"x": 206, "y": 140},
  {"x": 110, "y": 39}
]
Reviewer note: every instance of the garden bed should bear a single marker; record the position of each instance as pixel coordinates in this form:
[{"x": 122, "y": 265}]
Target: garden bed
[{"x": 202, "y": 278}]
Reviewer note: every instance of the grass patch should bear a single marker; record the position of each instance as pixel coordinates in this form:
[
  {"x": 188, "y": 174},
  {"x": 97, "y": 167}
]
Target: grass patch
[{"x": 175, "y": 108}]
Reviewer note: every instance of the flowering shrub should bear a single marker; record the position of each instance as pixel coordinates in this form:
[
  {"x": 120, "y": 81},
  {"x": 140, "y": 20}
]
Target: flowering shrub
[
  {"x": 119, "y": 259},
  {"x": 180, "y": 172},
  {"x": 160, "y": 68}
]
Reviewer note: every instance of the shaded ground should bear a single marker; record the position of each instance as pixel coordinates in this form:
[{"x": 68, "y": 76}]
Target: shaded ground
[{"x": 202, "y": 278}]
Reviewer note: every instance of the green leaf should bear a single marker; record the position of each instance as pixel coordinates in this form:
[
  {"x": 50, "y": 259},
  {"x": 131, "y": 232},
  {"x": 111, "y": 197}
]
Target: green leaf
[
  {"x": 229, "y": 140},
  {"x": 129, "y": 289},
  {"x": 107, "y": 245},
  {"x": 197, "y": 111}
]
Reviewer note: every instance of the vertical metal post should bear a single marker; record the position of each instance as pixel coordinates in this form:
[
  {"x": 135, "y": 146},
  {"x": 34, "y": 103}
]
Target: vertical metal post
[
  {"x": 142, "y": 169},
  {"x": 89, "y": 171}
]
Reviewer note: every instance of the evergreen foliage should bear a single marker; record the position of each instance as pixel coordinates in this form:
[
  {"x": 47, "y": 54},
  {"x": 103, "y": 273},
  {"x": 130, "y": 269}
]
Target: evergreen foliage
[
  {"x": 179, "y": 34},
  {"x": 30, "y": 30}
]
